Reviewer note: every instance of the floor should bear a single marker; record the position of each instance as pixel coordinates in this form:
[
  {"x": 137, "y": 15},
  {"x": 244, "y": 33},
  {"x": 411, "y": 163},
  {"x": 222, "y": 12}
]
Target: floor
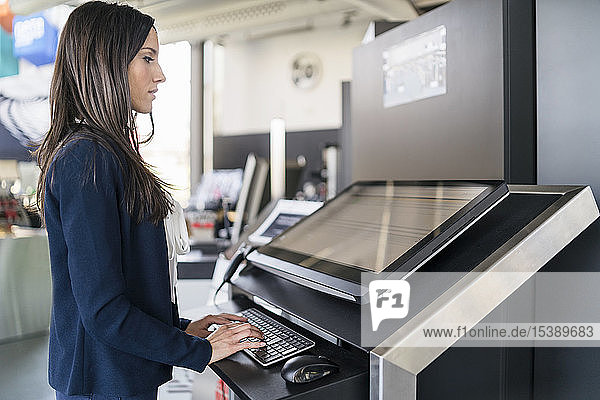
[{"x": 23, "y": 363}]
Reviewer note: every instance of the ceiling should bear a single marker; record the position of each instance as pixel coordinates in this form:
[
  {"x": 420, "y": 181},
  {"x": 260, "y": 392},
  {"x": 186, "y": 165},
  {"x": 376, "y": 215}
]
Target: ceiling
[{"x": 202, "y": 19}]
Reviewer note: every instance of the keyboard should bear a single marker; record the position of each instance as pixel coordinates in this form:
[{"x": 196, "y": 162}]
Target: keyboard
[{"x": 282, "y": 342}]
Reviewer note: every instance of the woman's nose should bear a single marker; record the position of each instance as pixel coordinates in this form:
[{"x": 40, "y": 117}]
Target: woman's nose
[{"x": 159, "y": 77}]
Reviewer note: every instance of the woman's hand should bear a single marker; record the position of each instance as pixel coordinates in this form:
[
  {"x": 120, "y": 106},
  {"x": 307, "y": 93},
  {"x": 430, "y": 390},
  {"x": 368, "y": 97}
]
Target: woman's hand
[
  {"x": 226, "y": 340},
  {"x": 200, "y": 328}
]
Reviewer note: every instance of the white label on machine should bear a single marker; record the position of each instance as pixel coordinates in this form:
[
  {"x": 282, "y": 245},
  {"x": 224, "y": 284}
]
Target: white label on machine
[{"x": 415, "y": 69}]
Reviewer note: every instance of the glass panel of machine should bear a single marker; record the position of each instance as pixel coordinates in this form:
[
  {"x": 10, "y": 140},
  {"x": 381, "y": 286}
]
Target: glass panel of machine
[{"x": 369, "y": 226}]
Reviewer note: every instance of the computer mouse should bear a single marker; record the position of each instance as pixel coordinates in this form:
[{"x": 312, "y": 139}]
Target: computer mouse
[{"x": 307, "y": 368}]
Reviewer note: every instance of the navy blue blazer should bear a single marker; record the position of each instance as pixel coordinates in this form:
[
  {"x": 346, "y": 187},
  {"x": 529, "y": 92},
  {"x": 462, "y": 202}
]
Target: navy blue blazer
[{"x": 113, "y": 329}]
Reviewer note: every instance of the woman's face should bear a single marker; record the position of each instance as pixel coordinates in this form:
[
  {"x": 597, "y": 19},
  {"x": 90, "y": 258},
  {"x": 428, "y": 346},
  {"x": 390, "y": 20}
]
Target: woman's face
[{"x": 145, "y": 74}]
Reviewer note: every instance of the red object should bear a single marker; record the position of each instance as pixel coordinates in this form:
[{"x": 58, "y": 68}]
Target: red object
[
  {"x": 6, "y": 21},
  {"x": 222, "y": 392},
  {"x": 203, "y": 225},
  {"x": 9, "y": 210},
  {"x": 4, "y": 8},
  {"x": 6, "y": 17}
]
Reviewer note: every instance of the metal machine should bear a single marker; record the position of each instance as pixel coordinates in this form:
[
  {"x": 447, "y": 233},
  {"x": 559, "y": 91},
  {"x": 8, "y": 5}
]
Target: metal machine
[{"x": 473, "y": 228}]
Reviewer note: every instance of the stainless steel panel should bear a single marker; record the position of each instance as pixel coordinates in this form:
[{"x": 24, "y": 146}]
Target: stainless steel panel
[
  {"x": 398, "y": 383},
  {"x": 567, "y": 105},
  {"x": 458, "y": 135},
  {"x": 465, "y": 303}
]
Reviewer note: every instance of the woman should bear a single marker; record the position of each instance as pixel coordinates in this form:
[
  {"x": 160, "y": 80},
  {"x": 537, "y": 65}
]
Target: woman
[{"x": 114, "y": 332}]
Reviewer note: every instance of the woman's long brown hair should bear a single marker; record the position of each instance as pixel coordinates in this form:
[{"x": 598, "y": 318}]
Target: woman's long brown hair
[{"x": 90, "y": 99}]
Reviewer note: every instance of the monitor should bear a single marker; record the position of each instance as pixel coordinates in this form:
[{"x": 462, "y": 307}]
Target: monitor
[
  {"x": 375, "y": 228},
  {"x": 253, "y": 186},
  {"x": 285, "y": 214}
]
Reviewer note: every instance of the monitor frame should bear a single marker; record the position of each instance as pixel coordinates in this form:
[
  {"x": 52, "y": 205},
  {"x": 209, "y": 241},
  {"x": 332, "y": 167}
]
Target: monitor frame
[{"x": 346, "y": 279}]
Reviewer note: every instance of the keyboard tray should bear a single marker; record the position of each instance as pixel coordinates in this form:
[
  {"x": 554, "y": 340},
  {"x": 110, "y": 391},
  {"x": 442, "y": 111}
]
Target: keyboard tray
[{"x": 250, "y": 381}]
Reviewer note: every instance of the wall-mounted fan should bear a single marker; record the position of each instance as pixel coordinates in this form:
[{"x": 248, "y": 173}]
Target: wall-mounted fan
[{"x": 306, "y": 70}]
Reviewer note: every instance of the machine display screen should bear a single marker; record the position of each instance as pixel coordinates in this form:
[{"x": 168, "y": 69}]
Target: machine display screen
[
  {"x": 285, "y": 214},
  {"x": 281, "y": 223},
  {"x": 371, "y": 225}
]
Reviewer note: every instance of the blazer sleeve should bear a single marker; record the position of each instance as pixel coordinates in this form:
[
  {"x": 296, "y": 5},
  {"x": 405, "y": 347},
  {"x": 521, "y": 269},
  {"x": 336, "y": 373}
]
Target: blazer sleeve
[
  {"x": 89, "y": 214},
  {"x": 184, "y": 323}
]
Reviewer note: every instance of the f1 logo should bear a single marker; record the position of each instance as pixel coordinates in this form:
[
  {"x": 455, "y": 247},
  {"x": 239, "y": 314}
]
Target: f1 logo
[{"x": 389, "y": 300}]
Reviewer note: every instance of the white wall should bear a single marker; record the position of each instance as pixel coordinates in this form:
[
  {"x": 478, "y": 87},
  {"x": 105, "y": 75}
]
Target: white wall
[{"x": 257, "y": 82}]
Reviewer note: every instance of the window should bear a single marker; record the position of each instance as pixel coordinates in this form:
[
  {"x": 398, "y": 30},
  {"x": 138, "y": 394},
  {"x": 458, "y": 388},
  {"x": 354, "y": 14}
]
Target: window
[{"x": 169, "y": 151}]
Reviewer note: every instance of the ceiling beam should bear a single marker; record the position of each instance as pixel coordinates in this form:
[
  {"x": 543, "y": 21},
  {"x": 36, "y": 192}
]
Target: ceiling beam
[
  {"x": 429, "y": 3},
  {"x": 394, "y": 10},
  {"x": 25, "y": 7}
]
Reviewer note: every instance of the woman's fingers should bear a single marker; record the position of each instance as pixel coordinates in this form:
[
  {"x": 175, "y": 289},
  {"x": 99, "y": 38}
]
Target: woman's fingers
[
  {"x": 226, "y": 340},
  {"x": 237, "y": 327},
  {"x": 249, "y": 345},
  {"x": 217, "y": 319},
  {"x": 240, "y": 330},
  {"x": 250, "y": 331},
  {"x": 230, "y": 326},
  {"x": 246, "y": 333},
  {"x": 223, "y": 318},
  {"x": 233, "y": 317}
]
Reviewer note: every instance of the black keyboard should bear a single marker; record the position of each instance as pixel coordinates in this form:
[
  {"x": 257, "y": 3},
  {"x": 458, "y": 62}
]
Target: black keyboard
[{"x": 282, "y": 342}]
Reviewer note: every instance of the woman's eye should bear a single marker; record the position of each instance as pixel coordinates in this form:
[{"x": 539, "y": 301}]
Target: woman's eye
[{"x": 148, "y": 59}]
